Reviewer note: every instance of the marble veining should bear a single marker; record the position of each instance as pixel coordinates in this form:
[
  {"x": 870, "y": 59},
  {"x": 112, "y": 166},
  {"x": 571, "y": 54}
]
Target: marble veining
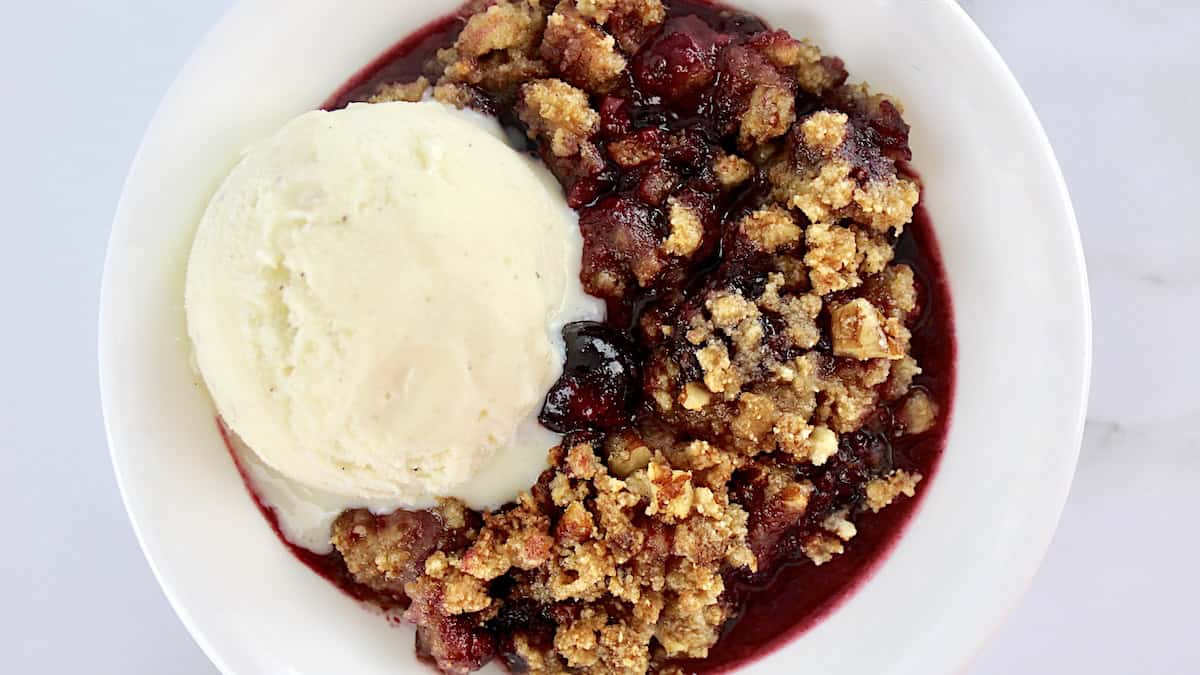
[{"x": 1115, "y": 85}]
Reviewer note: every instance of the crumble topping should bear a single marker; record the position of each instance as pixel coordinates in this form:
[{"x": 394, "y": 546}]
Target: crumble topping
[
  {"x": 759, "y": 99},
  {"x": 751, "y": 249},
  {"x": 769, "y": 114},
  {"x": 815, "y": 74},
  {"x": 732, "y": 171},
  {"x": 840, "y": 526},
  {"x": 630, "y": 21},
  {"x": 687, "y": 229},
  {"x": 821, "y": 548},
  {"x": 882, "y": 492},
  {"x": 719, "y": 375},
  {"x": 829, "y": 173},
  {"x": 637, "y": 149},
  {"x": 917, "y": 413},
  {"x": 840, "y": 257},
  {"x": 501, "y": 27},
  {"x": 410, "y": 92},
  {"x": 559, "y": 114},
  {"x": 771, "y": 229},
  {"x": 655, "y": 544},
  {"x": 805, "y": 442},
  {"x": 860, "y": 331},
  {"x": 497, "y": 48},
  {"x": 581, "y": 53}
]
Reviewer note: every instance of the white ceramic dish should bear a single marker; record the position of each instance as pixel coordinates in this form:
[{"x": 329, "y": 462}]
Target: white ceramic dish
[{"x": 1013, "y": 258}]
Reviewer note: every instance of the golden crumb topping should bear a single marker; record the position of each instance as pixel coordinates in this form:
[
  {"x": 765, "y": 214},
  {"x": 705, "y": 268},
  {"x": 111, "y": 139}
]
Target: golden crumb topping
[
  {"x": 687, "y": 229},
  {"x": 559, "y": 114},
  {"x": 828, "y": 178},
  {"x": 770, "y": 229},
  {"x": 882, "y": 492},
  {"x": 740, "y": 207},
  {"x": 409, "y": 92},
  {"x": 769, "y": 115},
  {"x": 732, "y": 170},
  {"x": 583, "y": 54}
]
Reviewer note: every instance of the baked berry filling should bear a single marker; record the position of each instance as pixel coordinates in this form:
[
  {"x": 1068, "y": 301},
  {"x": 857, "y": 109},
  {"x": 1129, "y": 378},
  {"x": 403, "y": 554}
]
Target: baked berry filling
[{"x": 746, "y": 432}]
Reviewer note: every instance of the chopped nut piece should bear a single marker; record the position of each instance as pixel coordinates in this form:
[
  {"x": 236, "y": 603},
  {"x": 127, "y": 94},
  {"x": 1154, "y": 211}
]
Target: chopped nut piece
[
  {"x": 575, "y": 525},
  {"x": 627, "y": 453},
  {"x": 701, "y": 455},
  {"x": 900, "y": 378},
  {"x": 755, "y": 419},
  {"x": 582, "y": 462},
  {"x": 860, "y": 331},
  {"x": 805, "y": 442},
  {"x": 695, "y": 396},
  {"x": 795, "y": 497},
  {"x": 670, "y": 492}
]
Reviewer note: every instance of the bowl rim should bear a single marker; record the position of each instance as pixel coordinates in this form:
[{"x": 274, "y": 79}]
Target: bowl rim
[{"x": 1070, "y": 457}]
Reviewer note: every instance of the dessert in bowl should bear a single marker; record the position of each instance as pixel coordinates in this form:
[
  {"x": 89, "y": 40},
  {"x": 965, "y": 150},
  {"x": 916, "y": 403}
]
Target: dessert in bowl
[{"x": 738, "y": 435}]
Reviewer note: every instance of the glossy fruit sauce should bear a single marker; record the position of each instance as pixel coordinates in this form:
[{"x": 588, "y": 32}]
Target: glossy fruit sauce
[{"x": 780, "y": 604}]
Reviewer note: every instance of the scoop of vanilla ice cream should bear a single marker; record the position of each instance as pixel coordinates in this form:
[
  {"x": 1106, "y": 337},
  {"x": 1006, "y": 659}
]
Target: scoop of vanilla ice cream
[{"x": 375, "y": 296}]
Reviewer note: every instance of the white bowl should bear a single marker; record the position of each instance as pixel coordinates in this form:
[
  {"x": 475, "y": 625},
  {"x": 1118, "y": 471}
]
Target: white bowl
[{"x": 1007, "y": 233}]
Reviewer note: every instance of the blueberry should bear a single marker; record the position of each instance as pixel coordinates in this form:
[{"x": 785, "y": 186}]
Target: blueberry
[{"x": 599, "y": 384}]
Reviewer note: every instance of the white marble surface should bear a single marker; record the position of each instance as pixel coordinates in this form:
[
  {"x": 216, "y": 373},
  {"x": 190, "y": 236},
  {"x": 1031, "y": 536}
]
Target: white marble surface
[{"x": 1116, "y": 84}]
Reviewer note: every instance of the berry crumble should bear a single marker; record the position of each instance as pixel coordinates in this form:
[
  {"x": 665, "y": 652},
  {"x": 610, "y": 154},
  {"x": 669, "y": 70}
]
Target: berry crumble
[{"x": 771, "y": 386}]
